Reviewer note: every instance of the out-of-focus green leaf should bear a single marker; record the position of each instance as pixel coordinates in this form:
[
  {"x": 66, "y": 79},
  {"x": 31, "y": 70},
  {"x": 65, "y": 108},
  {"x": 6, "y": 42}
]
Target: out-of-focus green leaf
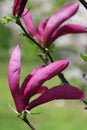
[
  {"x": 6, "y": 19},
  {"x": 84, "y": 57}
]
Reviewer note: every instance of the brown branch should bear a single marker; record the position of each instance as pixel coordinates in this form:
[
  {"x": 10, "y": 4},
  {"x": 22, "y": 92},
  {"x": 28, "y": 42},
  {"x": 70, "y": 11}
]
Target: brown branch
[
  {"x": 28, "y": 123},
  {"x": 84, "y": 3}
]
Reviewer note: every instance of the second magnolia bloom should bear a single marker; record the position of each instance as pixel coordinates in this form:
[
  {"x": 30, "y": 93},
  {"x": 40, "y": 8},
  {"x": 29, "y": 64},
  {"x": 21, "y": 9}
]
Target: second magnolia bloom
[{"x": 50, "y": 28}]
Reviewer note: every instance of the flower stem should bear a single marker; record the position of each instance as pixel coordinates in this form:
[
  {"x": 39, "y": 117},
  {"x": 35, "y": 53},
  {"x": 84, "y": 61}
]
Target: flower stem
[
  {"x": 28, "y": 123},
  {"x": 45, "y": 50}
]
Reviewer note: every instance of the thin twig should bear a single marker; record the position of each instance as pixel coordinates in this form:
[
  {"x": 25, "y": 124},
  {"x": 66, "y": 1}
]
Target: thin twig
[
  {"x": 45, "y": 59},
  {"x": 28, "y": 123},
  {"x": 84, "y": 3},
  {"x": 63, "y": 79}
]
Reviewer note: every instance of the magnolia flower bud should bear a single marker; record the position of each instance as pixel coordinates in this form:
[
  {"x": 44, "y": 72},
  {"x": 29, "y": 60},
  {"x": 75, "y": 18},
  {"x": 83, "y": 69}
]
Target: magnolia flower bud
[{"x": 18, "y": 7}]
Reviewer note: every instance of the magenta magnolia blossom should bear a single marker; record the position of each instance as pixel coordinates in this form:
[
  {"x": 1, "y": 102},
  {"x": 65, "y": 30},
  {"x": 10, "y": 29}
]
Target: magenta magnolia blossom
[
  {"x": 50, "y": 29},
  {"x": 18, "y": 7},
  {"x": 33, "y": 84}
]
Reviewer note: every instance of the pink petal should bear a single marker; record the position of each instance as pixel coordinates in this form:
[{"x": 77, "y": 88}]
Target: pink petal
[
  {"x": 42, "y": 90},
  {"x": 42, "y": 75},
  {"x": 27, "y": 18},
  {"x": 67, "y": 29},
  {"x": 28, "y": 77},
  {"x": 14, "y": 77},
  {"x": 14, "y": 69},
  {"x": 58, "y": 92},
  {"x": 57, "y": 19},
  {"x": 40, "y": 30}
]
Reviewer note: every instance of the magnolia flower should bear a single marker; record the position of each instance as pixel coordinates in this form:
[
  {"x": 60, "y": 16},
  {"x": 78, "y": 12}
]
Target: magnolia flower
[
  {"x": 51, "y": 28},
  {"x": 18, "y": 7},
  {"x": 33, "y": 84}
]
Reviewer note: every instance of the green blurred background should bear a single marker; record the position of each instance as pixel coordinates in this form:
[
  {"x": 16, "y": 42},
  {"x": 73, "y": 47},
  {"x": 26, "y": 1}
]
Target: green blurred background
[{"x": 57, "y": 115}]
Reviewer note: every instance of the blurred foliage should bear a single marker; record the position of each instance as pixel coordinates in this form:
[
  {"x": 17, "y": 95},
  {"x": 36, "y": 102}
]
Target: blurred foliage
[
  {"x": 84, "y": 57},
  {"x": 5, "y": 42},
  {"x": 5, "y": 37},
  {"x": 1, "y": 0}
]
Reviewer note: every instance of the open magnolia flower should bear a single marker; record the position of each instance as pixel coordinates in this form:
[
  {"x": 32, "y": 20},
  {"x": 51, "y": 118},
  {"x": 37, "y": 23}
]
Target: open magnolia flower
[
  {"x": 18, "y": 7},
  {"x": 33, "y": 83},
  {"x": 51, "y": 28}
]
